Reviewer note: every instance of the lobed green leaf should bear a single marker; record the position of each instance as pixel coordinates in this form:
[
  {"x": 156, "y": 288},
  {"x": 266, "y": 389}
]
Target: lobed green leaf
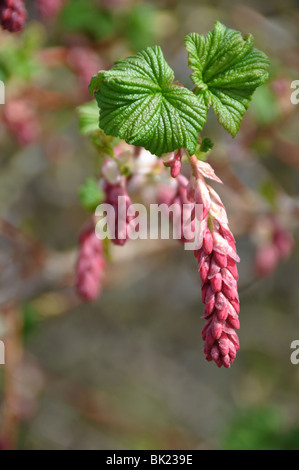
[
  {"x": 226, "y": 69},
  {"x": 139, "y": 103}
]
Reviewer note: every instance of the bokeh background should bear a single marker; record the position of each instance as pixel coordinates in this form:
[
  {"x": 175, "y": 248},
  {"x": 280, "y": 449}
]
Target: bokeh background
[{"x": 127, "y": 371}]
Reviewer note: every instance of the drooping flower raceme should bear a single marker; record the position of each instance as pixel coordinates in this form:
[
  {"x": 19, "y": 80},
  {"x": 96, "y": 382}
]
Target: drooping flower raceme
[
  {"x": 216, "y": 257},
  {"x": 91, "y": 264},
  {"x": 218, "y": 273}
]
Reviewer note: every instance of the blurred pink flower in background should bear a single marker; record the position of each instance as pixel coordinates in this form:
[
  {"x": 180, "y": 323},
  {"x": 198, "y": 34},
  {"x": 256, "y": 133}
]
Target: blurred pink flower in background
[
  {"x": 13, "y": 15},
  {"x": 85, "y": 63},
  {"x": 275, "y": 243},
  {"x": 50, "y": 8},
  {"x": 21, "y": 120}
]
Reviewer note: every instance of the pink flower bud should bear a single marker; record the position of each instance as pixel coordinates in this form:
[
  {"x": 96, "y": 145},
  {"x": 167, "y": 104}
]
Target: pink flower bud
[
  {"x": 208, "y": 242},
  {"x": 229, "y": 292},
  {"x": 235, "y": 303},
  {"x": 223, "y": 246},
  {"x": 207, "y": 171},
  {"x": 215, "y": 353},
  {"x": 220, "y": 259},
  {"x": 222, "y": 313},
  {"x": 221, "y": 301},
  {"x": 228, "y": 278},
  {"x": 232, "y": 351},
  {"x": 204, "y": 271},
  {"x": 223, "y": 344},
  {"x": 214, "y": 267},
  {"x": 216, "y": 328},
  {"x": 233, "y": 322},
  {"x": 176, "y": 165},
  {"x": 232, "y": 268},
  {"x": 216, "y": 283},
  {"x": 226, "y": 361}
]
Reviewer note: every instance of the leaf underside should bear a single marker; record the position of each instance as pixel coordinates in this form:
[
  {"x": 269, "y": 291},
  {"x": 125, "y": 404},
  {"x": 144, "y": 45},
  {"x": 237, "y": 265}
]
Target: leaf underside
[
  {"x": 226, "y": 69},
  {"x": 139, "y": 103}
]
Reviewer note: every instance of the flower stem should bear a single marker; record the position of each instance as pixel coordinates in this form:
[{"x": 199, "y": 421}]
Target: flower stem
[{"x": 193, "y": 163}]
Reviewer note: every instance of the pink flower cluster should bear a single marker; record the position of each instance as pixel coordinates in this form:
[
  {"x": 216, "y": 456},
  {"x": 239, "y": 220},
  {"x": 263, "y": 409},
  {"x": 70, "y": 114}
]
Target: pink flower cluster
[
  {"x": 91, "y": 264},
  {"x": 218, "y": 273},
  {"x": 217, "y": 259},
  {"x": 13, "y": 15}
]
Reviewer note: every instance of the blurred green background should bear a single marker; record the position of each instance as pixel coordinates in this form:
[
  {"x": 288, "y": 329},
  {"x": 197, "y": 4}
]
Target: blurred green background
[{"x": 127, "y": 371}]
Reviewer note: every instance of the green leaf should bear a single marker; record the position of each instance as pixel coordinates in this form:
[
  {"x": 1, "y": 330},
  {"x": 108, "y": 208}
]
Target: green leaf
[
  {"x": 95, "y": 82},
  {"x": 88, "y": 117},
  {"x": 90, "y": 194},
  {"x": 206, "y": 145},
  {"x": 226, "y": 71},
  {"x": 139, "y": 103}
]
